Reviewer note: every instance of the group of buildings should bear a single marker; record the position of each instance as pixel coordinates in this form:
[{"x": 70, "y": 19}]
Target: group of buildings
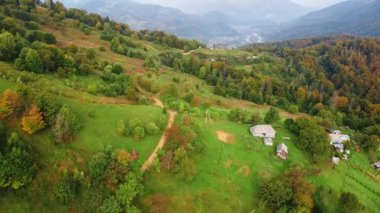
[
  {"x": 337, "y": 140},
  {"x": 268, "y": 134}
]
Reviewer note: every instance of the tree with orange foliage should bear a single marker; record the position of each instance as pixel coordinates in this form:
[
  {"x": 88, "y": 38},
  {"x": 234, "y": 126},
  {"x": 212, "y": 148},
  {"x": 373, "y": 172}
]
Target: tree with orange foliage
[
  {"x": 339, "y": 102},
  {"x": 33, "y": 120},
  {"x": 9, "y": 103}
]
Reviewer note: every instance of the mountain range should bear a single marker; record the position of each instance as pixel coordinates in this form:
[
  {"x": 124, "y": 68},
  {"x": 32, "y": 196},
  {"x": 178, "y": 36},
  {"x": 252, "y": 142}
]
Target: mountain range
[
  {"x": 248, "y": 21},
  {"x": 354, "y": 17},
  {"x": 215, "y": 21}
]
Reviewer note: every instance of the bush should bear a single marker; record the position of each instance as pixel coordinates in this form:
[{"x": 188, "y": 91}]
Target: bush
[
  {"x": 348, "y": 202},
  {"x": 66, "y": 125},
  {"x": 120, "y": 127},
  {"x": 110, "y": 205},
  {"x": 271, "y": 116},
  {"x": 117, "y": 69},
  {"x": 143, "y": 100},
  {"x": 98, "y": 164},
  {"x": 69, "y": 186},
  {"x": 92, "y": 88},
  {"x": 152, "y": 129},
  {"x": 138, "y": 133}
]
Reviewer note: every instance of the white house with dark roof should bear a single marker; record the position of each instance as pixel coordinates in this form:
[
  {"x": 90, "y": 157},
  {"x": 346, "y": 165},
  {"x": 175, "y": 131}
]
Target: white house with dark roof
[{"x": 263, "y": 131}]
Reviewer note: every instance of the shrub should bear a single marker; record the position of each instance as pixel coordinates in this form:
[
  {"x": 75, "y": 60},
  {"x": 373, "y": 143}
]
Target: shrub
[
  {"x": 92, "y": 88},
  {"x": 110, "y": 205},
  {"x": 271, "y": 116},
  {"x": 152, "y": 129},
  {"x": 69, "y": 186},
  {"x": 348, "y": 202},
  {"x": 143, "y": 100},
  {"x": 117, "y": 69},
  {"x": 66, "y": 125},
  {"x": 138, "y": 133},
  {"x": 99, "y": 163},
  {"x": 120, "y": 127}
]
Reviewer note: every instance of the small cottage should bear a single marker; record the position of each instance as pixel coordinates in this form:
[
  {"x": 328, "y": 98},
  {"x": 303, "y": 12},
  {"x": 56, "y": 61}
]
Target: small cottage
[
  {"x": 335, "y": 160},
  {"x": 282, "y": 151},
  {"x": 263, "y": 131},
  {"x": 337, "y": 137}
]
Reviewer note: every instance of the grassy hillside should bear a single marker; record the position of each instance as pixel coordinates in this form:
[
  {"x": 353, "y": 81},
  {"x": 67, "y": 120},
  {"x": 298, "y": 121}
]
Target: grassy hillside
[{"x": 207, "y": 166}]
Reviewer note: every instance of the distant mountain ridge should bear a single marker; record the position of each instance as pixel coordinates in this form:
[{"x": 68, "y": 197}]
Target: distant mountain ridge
[
  {"x": 222, "y": 21},
  {"x": 356, "y": 17}
]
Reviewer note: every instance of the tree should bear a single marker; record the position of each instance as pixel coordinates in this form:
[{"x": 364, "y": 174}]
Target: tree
[
  {"x": 184, "y": 165},
  {"x": 33, "y": 61},
  {"x": 302, "y": 190},
  {"x": 271, "y": 116},
  {"x": 348, "y": 202},
  {"x": 138, "y": 133},
  {"x": 110, "y": 205},
  {"x": 152, "y": 129},
  {"x": 316, "y": 142},
  {"x": 17, "y": 166},
  {"x": 99, "y": 164},
  {"x": 7, "y": 46},
  {"x": 128, "y": 191},
  {"x": 69, "y": 186},
  {"x": 66, "y": 125},
  {"x": 276, "y": 193},
  {"x": 9, "y": 103},
  {"x": 33, "y": 120}
]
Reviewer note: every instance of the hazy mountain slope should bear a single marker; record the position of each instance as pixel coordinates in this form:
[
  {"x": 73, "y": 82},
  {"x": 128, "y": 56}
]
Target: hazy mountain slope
[
  {"x": 357, "y": 17},
  {"x": 213, "y": 21},
  {"x": 155, "y": 17}
]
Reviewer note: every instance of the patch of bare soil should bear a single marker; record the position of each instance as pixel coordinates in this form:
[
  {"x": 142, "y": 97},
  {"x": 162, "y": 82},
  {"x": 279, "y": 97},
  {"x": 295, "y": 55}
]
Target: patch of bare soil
[
  {"x": 244, "y": 170},
  {"x": 226, "y": 137}
]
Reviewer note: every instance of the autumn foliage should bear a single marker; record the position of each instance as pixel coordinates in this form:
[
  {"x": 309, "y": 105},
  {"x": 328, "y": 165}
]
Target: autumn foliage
[
  {"x": 33, "y": 121},
  {"x": 9, "y": 103}
]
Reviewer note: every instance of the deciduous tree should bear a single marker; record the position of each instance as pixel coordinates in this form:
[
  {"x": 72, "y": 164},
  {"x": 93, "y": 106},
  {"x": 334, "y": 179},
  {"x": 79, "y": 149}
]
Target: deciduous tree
[{"x": 33, "y": 120}]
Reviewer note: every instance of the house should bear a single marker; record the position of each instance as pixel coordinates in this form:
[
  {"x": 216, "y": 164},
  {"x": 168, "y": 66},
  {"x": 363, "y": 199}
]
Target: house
[
  {"x": 339, "y": 147},
  {"x": 268, "y": 141},
  {"x": 282, "y": 151},
  {"x": 336, "y": 136},
  {"x": 335, "y": 160},
  {"x": 377, "y": 166},
  {"x": 263, "y": 131}
]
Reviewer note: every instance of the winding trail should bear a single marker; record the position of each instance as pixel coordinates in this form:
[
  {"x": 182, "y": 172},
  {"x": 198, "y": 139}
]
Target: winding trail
[{"x": 149, "y": 162}]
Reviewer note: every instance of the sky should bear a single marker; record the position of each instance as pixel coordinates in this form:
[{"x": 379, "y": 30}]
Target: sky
[{"x": 316, "y": 4}]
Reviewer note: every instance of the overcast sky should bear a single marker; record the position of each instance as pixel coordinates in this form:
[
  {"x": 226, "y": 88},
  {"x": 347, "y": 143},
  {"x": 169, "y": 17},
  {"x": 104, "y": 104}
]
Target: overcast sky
[{"x": 180, "y": 3}]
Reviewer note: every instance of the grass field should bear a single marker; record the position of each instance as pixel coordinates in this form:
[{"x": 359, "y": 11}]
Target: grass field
[{"x": 228, "y": 174}]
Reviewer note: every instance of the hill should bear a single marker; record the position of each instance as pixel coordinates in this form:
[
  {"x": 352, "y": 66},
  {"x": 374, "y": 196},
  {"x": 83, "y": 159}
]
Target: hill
[
  {"x": 96, "y": 117},
  {"x": 355, "y": 17}
]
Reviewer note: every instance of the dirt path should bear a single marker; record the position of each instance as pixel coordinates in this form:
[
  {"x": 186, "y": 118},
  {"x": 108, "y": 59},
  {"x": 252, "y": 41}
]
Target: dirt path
[{"x": 148, "y": 163}]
